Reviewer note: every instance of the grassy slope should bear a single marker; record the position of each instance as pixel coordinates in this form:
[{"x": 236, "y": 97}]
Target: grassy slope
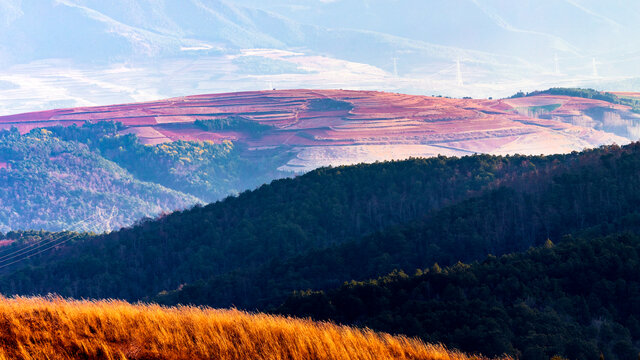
[{"x": 38, "y": 328}]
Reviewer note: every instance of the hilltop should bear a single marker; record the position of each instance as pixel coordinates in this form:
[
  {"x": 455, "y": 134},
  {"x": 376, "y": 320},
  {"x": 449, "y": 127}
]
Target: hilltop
[{"x": 339, "y": 127}]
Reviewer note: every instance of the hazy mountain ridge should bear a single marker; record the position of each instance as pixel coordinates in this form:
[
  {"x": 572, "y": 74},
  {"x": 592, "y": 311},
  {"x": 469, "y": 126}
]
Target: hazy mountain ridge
[{"x": 104, "y": 51}]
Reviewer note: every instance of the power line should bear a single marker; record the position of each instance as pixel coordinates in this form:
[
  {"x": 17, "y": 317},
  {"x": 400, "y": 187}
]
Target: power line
[
  {"x": 39, "y": 252},
  {"x": 24, "y": 251},
  {"x": 37, "y": 245},
  {"x": 43, "y": 242}
]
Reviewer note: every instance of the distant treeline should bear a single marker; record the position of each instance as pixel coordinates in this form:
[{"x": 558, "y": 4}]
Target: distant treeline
[{"x": 585, "y": 93}]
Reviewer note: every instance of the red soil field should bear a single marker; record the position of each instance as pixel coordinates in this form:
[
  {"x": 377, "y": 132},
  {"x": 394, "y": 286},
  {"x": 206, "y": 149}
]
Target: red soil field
[{"x": 459, "y": 126}]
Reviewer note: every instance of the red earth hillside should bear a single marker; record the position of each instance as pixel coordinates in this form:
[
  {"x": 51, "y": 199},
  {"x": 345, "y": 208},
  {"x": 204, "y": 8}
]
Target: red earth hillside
[{"x": 331, "y": 127}]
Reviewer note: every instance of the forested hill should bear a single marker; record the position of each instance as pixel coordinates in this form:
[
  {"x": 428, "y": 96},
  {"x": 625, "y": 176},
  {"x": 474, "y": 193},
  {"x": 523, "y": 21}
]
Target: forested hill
[
  {"x": 57, "y": 178},
  {"x": 578, "y": 298},
  {"x": 362, "y": 221},
  {"x": 333, "y": 225},
  {"x": 49, "y": 182},
  {"x": 286, "y": 218},
  {"x": 594, "y": 189}
]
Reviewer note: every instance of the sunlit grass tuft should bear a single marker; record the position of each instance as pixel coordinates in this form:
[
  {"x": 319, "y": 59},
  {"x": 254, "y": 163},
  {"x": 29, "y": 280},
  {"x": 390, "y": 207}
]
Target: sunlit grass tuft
[{"x": 55, "y": 328}]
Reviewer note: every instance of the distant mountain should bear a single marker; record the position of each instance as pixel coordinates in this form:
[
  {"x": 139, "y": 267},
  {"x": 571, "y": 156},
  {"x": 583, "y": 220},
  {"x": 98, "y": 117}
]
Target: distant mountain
[
  {"x": 86, "y": 52},
  {"x": 206, "y": 147}
]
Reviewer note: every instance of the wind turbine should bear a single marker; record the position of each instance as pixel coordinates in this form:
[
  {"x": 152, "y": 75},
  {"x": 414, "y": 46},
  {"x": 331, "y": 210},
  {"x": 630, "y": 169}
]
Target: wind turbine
[{"x": 395, "y": 67}]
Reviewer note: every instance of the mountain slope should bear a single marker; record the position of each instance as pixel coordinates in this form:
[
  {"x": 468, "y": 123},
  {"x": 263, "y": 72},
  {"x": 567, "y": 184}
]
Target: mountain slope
[
  {"x": 576, "y": 299},
  {"x": 252, "y": 250},
  {"x": 49, "y": 183},
  {"x": 550, "y": 198},
  {"x": 288, "y": 217},
  {"x": 335, "y": 224}
]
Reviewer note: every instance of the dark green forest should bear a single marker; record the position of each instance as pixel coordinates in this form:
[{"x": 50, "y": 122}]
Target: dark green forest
[
  {"x": 310, "y": 234},
  {"x": 576, "y": 299},
  {"x": 519, "y": 209},
  {"x": 286, "y": 218}
]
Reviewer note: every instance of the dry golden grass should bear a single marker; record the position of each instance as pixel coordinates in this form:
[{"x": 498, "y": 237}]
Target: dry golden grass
[{"x": 54, "y": 328}]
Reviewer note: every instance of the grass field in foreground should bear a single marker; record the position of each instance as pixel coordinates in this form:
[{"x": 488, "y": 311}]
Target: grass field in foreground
[{"x": 55, "y": 328}]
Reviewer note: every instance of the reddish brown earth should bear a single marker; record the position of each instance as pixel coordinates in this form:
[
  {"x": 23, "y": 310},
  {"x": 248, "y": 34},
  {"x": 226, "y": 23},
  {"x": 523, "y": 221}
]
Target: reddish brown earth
[
  {"x": 380, "y": 125},
  {"x": 6, "y": 242}
]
